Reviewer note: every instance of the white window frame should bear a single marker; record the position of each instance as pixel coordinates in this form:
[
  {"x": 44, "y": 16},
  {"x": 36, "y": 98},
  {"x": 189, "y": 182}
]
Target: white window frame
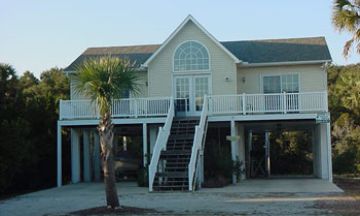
[
  {"x": 279, "y": 74},
  {"x": 191, "y": 71}
]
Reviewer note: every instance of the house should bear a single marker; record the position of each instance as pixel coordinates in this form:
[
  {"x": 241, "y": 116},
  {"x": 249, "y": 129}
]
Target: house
[{"x": 198, "y": 92}]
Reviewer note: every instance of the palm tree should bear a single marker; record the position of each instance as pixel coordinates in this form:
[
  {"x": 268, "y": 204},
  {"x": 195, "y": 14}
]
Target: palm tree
[
  {"x": 346, "y": 16},
  {"x": 102, "y": 80}
]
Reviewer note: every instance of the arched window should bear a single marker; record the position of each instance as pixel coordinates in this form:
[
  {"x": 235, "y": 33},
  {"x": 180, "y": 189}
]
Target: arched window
[{"x": 191, "y": 56}]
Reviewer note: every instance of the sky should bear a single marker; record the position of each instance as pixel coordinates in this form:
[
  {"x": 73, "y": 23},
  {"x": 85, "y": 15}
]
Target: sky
[{"x": 37, "y": 35}]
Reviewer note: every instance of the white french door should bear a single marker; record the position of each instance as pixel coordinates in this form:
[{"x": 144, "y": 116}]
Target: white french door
[
  {"x": 189, "y": 94},
  {"x": 275, "y": 84}
]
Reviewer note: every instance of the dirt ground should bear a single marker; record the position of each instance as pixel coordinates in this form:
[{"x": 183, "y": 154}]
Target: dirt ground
[
  {"x": 347, "y": 204},
  {"x": 299, "y": 197}
]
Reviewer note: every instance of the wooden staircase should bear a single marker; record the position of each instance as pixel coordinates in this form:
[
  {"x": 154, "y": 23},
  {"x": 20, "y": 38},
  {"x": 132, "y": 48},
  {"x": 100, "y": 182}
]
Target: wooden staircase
[{"x": 173, "y": 164}]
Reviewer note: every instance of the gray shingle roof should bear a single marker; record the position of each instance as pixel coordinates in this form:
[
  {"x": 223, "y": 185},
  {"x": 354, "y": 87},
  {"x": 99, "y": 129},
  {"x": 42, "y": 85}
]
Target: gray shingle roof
[
  {"x": 280, "y": 50},
  {"x": 256, "y": 51}
]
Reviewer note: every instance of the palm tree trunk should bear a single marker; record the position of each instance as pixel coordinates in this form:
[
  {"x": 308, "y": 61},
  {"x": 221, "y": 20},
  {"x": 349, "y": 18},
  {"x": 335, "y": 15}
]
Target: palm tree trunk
[{"x": 106, "y": 134}]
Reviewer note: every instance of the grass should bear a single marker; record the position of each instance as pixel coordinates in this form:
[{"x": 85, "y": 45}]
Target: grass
[{"x": 346, "y": 204}]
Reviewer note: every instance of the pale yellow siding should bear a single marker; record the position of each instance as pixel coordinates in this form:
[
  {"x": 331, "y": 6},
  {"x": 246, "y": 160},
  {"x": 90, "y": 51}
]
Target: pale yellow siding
[
  {"x": 160, "y": 70},
  {"x": 142, "y": 84},
  {"x": 312, "y": 78},
  {"x": 73, "y": 94}
]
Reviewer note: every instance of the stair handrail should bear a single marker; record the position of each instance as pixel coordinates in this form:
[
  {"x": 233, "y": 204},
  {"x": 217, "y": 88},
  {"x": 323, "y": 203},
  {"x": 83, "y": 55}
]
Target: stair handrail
[
  {"x": 160, "y": 144},
  {"x": 197, "y": 144}
]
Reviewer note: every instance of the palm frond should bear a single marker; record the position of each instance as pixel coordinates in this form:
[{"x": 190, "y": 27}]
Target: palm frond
[
  {"x": 339, "y": 4},
  {"x": 103, "y": 79},
  {"x": 346, "y": 17},
  {"x": 347, "y": 47}
]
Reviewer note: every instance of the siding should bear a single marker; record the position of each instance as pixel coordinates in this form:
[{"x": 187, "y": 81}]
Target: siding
[
  {"x": 312, "y": 78},
  {"x": 142, "y": 80},
  {"x": 73, "y": 94},
  {"x": 221, "y": 65}
]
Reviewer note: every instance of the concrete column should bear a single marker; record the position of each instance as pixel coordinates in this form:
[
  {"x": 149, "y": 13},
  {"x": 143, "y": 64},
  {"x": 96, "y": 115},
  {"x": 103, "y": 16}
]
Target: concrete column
[
  {"x": 75, "y": 156},
  {"x": 242, "y": 157},
  {"x": 153, "y": 135},
  {"x": 267, "y": 153},
  {"x": 329, "y": 156},
  {"x": 86, "y": 156},
  {"x": 234, "y": 146},
  {"x": 59, "y": 155},
  {"x": 324, "y": 167},
  {"x": 315, "y": 152},
  {"x": 96, "y": 156},
  {"x": 145, "y": 149},
  {"x": 249, "y": 149}
]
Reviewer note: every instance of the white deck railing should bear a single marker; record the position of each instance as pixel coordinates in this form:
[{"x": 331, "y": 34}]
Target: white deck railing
[
  {"x": 268, "y": 103},
  {"x": 197, "y": 145},
  {"x": 129, "y": 107},
  {"x": 160, "y": 144},
  {"x": 242, "y": 104}
]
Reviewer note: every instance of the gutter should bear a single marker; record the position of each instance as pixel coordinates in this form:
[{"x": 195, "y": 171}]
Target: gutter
[{"x": 284, "y": 63}]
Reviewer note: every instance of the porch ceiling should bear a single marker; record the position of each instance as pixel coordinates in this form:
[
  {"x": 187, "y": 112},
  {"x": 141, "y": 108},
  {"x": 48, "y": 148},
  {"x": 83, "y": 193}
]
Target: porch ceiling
[{"x": 279, "y": 125}]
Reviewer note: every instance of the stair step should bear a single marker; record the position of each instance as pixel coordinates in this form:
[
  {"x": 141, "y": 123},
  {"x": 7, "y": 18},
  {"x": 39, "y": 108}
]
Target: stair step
[
  {"x": 179, "y": 147},
  {"x": 172, "y": 174},
  {"x": 171, "y": 185},
  {"x": 181, "y": 137},
  {"x": 176, "y": 167},
  {"x": 176, "y": 152},
  {"x": 177, "y": 163},
  {"x": 170, "y": 188},
  {"x": 175, "y": 159},
  {"x": 171, "y": 181}
]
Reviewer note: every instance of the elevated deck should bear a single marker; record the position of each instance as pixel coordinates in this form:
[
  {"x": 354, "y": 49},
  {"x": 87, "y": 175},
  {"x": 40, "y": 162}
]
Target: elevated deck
[{"x": 241, "y": 107}]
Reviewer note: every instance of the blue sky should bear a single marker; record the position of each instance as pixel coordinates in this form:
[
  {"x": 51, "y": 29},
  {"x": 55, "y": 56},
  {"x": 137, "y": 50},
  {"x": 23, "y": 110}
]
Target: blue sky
[{"x": 39, "y": 34}]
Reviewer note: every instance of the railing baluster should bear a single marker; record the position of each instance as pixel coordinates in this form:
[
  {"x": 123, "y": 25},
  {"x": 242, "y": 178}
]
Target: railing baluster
[
  {"x": 243, "y": 104},
  {"x": 284, "y": 101}
]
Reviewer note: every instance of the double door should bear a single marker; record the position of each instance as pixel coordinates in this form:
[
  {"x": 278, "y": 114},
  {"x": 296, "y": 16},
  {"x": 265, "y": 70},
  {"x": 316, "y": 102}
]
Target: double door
[
  {"x": 189, "y": 94},
  {"x": 276, "y": 84}
]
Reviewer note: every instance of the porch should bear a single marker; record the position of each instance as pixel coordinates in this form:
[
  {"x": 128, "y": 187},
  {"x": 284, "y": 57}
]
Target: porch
[
  {"x": 250, "y": 105},
  {"x": 268, "y": 150},
  {"x": 235, "y": 110}
]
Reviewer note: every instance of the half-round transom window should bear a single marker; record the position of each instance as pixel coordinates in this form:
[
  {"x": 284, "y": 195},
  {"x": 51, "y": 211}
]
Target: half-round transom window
[{"x": 191, "y": 56}]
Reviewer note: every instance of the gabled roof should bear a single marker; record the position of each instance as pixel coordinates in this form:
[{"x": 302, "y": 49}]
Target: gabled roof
[
  {"x": 137, "y": 54},
  {"x": 190, "y": 18},
  {"x": 280, "y": 50},
  {"x": 290, "y": 50}
]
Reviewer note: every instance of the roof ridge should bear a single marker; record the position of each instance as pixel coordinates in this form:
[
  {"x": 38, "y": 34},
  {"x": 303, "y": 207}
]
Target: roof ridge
[
  {"x": 226, "y": 41},
  {"x": 139, "y": 45},
  {"x": 274, "y": 39}
]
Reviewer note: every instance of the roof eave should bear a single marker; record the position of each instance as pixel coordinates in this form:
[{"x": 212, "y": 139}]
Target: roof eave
[
  {"x": 172, "y": 35},
  {"x": 265, "y": 64}
]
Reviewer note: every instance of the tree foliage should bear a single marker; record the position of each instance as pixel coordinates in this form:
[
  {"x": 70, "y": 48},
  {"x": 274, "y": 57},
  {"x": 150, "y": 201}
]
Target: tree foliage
[
  {"x": 28, "y": 116},
  {"x": 102, "y": 80},
  {"x": 346, "y": 17},
  {"x": 344, "y": 98}
]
